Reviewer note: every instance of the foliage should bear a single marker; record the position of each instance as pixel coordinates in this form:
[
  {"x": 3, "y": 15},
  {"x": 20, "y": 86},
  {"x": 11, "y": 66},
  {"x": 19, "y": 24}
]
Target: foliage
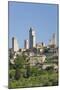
[
  {"x": 17, "y": 74},
  {"x": 46, "y": 78},
  {"x": 22, "y": 75},
  {"x": 28, "y": 73},
  {"x": 19, "y": 62},
  {"x": 11, "y": 74}
]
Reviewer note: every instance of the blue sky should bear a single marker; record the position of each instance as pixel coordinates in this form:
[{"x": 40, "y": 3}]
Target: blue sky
[{"x": 41, "y": 17}]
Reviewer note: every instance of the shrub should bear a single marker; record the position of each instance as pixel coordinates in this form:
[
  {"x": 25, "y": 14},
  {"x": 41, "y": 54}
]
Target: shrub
[
  {"x": 17, "y": 74},
  {"x": 11, "y": 74}
]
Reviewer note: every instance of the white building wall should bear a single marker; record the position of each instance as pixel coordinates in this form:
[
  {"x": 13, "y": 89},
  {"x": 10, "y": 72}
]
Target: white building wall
[
  {"x": 15, "y": 45},
  {"x": 53, "y": 40},
  {"x": 33, "y": 34},
  {"x": 26, "y": 44}
]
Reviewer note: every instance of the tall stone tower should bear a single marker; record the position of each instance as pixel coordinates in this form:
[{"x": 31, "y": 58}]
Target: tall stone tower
[
  {"x": 15, "y": 46},
  {"x": 31, "y": 38},
  {"x": 26, "y": 44}
]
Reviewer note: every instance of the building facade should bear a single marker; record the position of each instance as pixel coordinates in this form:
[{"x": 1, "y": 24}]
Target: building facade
[
  {"x": 53, "y": 41},
  {"x": 31, "y": 38},
  {"x": 26, "y": 44},
  {"x": 15, "y": 46}
]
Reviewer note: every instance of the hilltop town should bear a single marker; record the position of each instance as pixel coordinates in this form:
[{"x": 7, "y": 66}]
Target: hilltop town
[{"x": 39, "y": 56}]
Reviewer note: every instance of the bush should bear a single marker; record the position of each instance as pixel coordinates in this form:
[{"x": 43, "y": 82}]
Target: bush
[
  {"x": 50, "y": 68},
  {"x": 11, "y": 74},
  {"x": 20, "y": 62},
  {"x": 27, "y": 71},
  {"x": 17, "y": 74}
]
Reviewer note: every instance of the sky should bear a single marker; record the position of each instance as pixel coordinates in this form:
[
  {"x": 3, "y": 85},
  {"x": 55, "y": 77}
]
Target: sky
[{"x": 41, "y": 17}]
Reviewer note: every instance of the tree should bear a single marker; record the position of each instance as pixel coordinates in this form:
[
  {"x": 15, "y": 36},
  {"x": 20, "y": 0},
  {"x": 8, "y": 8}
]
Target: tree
[
  {"x": 49, "y": 68},
  {"x": 27, "y": 71},
  {"x": 17, "y": 74},
  {"x": 19, "y": 62}
]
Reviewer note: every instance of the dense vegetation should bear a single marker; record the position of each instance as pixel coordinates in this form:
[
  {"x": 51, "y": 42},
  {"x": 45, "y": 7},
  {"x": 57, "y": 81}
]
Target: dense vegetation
[{"x": 22, "y": 75}]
